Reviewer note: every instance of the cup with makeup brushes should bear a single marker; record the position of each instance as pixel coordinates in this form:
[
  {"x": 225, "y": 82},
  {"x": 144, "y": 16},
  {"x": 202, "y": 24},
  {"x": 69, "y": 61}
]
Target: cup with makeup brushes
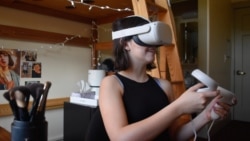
[{"x": 29, "y": 125}]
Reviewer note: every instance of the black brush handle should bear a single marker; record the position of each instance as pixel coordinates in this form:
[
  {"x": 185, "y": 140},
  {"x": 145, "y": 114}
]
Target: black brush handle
[
  {"x": 22, "y": 106},
  {"x": 23, "y": 114},
  {"x": 33, "y": 90},
  {"x": 33, "y": 111},
  {"x": 41, "y": 110},
  {"x": 6, "y": 95},
  {"x": 12, "y": 104}
]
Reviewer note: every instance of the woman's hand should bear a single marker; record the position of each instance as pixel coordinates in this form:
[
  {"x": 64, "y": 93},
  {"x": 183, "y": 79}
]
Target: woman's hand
[
  {"x": 10, "y": 84},
  {"x": 192, "y": 101},
  {"x": 3, "y": 79},
  {"x": 220, "y": 108}
]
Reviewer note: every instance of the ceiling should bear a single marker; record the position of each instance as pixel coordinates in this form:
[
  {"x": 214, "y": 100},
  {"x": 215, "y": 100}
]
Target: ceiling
[
  {"x": 101, "y": 11},
  {"x": 82, "y": 12}
]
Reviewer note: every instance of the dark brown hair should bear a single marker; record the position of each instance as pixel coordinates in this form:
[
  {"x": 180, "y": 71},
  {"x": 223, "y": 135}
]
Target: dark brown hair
[{"x": 121, "y": 57}]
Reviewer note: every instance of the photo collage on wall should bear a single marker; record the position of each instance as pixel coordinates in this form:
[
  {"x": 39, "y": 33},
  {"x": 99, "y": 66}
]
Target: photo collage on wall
[
  {"x": 30, "y": 68},
  {"x": 15, "y": 64}
]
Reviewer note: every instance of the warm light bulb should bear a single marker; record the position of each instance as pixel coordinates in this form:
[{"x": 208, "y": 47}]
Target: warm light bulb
[{"x": 72, "y": 3}]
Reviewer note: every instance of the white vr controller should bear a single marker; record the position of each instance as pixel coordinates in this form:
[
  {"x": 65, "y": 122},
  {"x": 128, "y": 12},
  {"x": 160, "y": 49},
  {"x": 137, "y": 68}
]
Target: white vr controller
[{"x": 212, "y": 85}]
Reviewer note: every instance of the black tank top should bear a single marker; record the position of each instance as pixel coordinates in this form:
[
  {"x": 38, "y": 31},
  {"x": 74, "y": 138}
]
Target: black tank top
[{"x": 141, "y": 100}]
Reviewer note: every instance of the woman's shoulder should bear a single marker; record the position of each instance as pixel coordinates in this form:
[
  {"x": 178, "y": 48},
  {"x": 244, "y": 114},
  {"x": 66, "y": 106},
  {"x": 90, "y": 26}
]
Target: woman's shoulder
[
  {"x": 166, "y": 86},
  {"x": 112, "y": 80},
  {"x": 111, "y": 84},
  {"x": 162, "y": 81}
]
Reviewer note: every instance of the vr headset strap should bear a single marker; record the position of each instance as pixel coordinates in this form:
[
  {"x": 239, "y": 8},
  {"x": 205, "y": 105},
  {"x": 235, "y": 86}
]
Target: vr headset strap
[{"x": 131, "y": 31}]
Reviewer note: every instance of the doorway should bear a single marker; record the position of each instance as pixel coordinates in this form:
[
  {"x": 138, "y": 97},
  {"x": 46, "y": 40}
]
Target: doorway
[{"x": 241, "y": 65}]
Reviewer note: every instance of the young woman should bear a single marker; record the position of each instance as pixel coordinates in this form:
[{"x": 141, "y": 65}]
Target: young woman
[
  {"x": 133, "y": 106},
  {"x": 8, "y": 77}
]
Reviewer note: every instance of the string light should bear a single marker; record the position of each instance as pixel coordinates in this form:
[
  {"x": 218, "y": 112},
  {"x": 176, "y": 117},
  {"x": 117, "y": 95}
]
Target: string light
[
  {"x": 73, "y": 2},
  {"x": 67, "y": 39},
  {"x": 152, "y": 17},
  {"x": 90, "y": 8},
  {"x": 61, "y": 44}
]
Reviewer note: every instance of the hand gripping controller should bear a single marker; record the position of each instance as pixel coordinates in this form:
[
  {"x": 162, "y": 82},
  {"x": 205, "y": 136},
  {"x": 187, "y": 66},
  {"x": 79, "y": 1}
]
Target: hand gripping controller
[{"x": 211, "y": 85}]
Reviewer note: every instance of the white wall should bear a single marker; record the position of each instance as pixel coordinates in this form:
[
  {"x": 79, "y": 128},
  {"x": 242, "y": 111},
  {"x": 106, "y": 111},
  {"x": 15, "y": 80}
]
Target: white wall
[
  {"x": 214, "y": 19},
  {"x": 220, "y": 41},
  {"x": 63, "y": 66}
]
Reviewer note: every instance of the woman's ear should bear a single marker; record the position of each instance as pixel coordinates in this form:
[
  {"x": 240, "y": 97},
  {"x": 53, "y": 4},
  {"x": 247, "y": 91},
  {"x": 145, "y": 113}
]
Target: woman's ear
[
  {"x": 127, "y": 45},
  {"x": 127, "y": 48}
]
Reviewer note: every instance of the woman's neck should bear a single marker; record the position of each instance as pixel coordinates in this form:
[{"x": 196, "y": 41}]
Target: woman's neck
[
  {"x": 136, "y": 76},
  {"x": 4, "y": 69}
]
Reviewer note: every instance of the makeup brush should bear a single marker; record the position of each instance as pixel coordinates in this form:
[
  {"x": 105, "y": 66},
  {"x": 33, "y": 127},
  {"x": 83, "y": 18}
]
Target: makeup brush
[
  {"x": 42, "y": 105},
  {"x": 11, "y": 103},
  {"x": 36, "y": 90},
  {"x": 22, "y": 107},
  {"x": 33, "y": 90},
  {"x": 21, "y": 95},
  {"x": 33, "y": 112}
]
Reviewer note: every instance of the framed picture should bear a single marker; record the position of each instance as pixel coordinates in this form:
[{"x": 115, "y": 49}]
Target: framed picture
[{"x": 29, "y": 82}]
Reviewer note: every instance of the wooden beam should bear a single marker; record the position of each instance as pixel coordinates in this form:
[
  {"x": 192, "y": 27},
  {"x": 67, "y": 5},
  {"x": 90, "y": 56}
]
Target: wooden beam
[
  {"x": 18, "y": 33},
  {"x": 104, "y": 46},
  {"x": 140, "y": 8},
  {"x": 154, "y": 8},
  {"x": 112, "y": 18},
  {"x": 44, "y": 11},
  {"x": 169, "y": 55}
]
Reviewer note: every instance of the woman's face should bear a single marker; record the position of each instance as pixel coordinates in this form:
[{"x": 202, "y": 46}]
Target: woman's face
[
  {"x": 4, "y": 60},
  {"x": 37, "y": 68},
  {"x": 141, "y": 53}
]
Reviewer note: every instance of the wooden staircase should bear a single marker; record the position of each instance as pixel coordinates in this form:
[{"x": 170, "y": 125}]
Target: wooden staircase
[{"x": 167, "y": 61}]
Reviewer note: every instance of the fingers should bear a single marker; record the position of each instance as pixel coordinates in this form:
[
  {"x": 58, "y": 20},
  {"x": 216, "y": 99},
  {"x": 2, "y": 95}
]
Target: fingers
[
  {"x": 211, "y": 94},
  {"x": 196, "y": 87},
  {"x": 205, "y": 93},
  {"x": 10, "y": 85},
  {"x": 222, "y": 109},
  {"x": 234, "y": 101},
  {"x": 222, "y": 105}
]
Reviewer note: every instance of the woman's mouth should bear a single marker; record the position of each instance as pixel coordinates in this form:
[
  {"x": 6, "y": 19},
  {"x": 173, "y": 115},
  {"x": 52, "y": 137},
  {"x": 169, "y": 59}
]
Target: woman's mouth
[{"x": 151, "y": 50}]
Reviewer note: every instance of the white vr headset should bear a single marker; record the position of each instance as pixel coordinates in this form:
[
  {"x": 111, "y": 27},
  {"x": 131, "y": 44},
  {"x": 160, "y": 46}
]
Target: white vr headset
[{"x": 151, "y": 34}]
